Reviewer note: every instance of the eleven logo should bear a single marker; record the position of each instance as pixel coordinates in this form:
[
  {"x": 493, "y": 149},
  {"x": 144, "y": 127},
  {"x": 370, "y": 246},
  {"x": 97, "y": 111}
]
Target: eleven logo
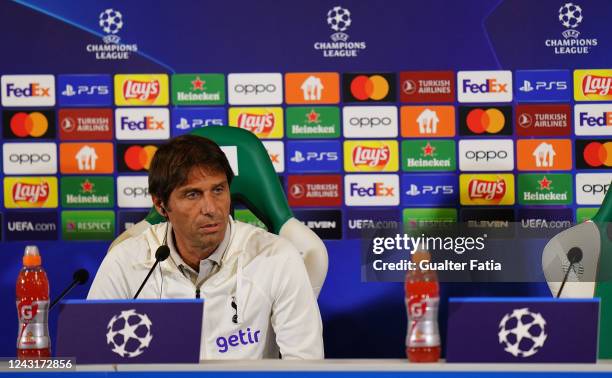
[
  {"x": 28, "y": 90},
  {"x": 428, "y": 121},
  {"x": 371, "y": 156},
  {"x": 86, "y": 158},
  {"x": 30, "y": 192},
  {"x": 483, "y": 189},
  {"x": 484, "y": 86},
  {"x": 266, "y": 123},
  {"x": 141, "y": 90},
  {"x": 371, "y": 190},
  {"x": 312, "y": 88},
  {"x": 544, "y": 155},
  {"x": 593, "y": 85}
]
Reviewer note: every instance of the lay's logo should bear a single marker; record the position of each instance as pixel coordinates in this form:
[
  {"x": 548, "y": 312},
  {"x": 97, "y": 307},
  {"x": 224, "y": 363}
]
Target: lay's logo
[
  {"x": 266, "y": 123},
  {"x": 487, "y": 189},
  {"x": 141, "y": 90},
  {"x": 593, "y": 85},
  {"x": 371, "y": 156},
  {"x": 30, "y": 192}
]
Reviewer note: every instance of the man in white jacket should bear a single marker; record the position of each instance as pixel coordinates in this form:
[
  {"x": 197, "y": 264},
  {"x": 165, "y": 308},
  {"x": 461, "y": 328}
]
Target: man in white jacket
[{"x": 258, "y": 298}]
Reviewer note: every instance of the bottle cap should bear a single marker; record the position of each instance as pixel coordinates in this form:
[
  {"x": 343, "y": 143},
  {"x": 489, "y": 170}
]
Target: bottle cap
[
  {"x": 31, "y": 257},
  {"x": 420, "y": 255}
]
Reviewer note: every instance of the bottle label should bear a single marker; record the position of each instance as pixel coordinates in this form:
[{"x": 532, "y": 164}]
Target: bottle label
[
  {"x": 422, "y": 322},
  {"x": 33, "y": 324}
]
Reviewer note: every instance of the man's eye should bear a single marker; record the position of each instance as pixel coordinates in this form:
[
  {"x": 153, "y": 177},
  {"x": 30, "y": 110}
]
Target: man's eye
[
  {"x": 219, "y": 190},
  {"x": 191, "y": 195}
]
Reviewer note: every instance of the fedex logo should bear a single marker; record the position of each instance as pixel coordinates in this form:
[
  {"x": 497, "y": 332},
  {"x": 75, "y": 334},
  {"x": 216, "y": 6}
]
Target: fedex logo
[
  {"x": 323, "y": 156},
  {"x": 489, "y": 86},
  {"x": 593, "y": 119},
  {"x": 371, "y": 190},
  {"x": 429, "y": 189},
  {"x": 484, "y": 86},
  {"x": 84, "y": 90},
  {"x": 134, "y": 123},
  {"x": 28, "y": 90}
]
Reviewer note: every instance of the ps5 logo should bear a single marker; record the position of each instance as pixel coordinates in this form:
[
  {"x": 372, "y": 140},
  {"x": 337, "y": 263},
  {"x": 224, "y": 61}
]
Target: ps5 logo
[
  {"x": 195, "y": 123},
  {"x": 543, "y": 86},
  {"x": 299, "y": 157},
  {"x": 430, "y": 189},
  {"x": 89, "y": 90}
]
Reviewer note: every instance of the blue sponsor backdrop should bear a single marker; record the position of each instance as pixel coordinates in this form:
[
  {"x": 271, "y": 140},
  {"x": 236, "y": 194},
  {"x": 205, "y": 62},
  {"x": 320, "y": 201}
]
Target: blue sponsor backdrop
[
  {"x": 360, "y": 320},
  {"x": 314, "y": 156},
  {"x": 84, "y": 90}
]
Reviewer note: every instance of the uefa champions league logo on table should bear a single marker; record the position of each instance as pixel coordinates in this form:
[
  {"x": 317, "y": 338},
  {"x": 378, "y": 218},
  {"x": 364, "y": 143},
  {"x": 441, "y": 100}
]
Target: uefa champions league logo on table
[
  {"x": 522, "y": 332},
  {"x": 129, "y": 333}
]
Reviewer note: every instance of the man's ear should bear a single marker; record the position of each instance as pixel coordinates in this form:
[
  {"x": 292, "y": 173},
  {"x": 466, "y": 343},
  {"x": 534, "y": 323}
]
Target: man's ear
[{"x": 159, "y": 206}]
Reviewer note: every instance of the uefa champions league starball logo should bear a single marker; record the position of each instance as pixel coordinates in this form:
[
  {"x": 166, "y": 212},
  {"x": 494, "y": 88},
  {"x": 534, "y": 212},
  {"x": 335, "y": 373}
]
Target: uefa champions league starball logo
[
  {"x": 570, "y": 15},
  {"x": 522, "y": 332},
  {"x": 111, "y": 21},
  {"x": 339, "y": 19},
  {"x": 129, "y": 333}
]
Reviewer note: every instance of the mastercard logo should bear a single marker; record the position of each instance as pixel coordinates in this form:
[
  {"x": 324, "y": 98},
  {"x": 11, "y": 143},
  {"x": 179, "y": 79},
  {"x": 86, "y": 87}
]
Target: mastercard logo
[
  {"x": 491, "y": 121},
  {"x": 33, "y": 124},
  {"x": 373, "y": 87},
  {"x": 139, "y": 157},
  {"x": 598, "y": 154}
]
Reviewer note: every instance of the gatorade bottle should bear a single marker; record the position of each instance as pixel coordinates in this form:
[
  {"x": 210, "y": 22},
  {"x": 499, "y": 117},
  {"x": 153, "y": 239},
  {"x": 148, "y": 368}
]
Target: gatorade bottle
[
  {"x": 422, "y": 298},
  {"x": 32, "y": 307}
]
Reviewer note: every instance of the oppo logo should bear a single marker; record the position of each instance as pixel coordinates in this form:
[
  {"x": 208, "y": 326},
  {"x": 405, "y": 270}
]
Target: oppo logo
[
  {"x": 486, "y": 155},
  {"x": 29, "y": 158},
  {"x": 595, "y": 188},
  {"x": 254, "y": 88},
  {"x": 136, "y": 191},
  {"x": 370, "y": 121}
]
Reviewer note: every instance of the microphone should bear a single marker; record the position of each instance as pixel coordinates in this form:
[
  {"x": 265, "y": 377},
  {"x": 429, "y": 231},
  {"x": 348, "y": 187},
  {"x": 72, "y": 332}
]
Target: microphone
[
  {"x": 574, "y": 256},
  {"x": 79, "y": 277},
  {"x": 161, "y": 254}
]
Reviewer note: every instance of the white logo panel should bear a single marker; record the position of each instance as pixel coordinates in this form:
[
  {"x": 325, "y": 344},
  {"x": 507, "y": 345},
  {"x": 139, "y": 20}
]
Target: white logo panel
[
  {"x": 28, "y": 90},
  {"x": 142, "y": 124},
  {"x": 371, "y": 190},
  {"x": 370, "y": 121},
  {"x": 591, "y": 188},
  {"x": 484, "y": 86},
  {"x": 255, "y": 89},
  {"x": 593, "y": 119},
  {"x": 276, "y": 151},
  {"x": 29, "y": 158},
  {"x": 133, "y": 191},
  {"x": 486, "y": 155},
  {"x": 231, "y": 153}
]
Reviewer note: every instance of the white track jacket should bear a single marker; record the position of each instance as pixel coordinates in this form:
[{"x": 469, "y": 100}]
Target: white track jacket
[{"x": 276, "y": 306}]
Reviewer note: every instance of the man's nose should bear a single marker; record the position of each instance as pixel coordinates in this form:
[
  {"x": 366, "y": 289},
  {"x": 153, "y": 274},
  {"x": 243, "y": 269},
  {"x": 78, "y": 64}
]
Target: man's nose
[{"x": 208, "y": 205}]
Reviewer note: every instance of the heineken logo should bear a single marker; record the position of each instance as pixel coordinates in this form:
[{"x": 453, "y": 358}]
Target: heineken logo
[
  {"x": 313, "y": 122},
  {"x": 548, "y": 189},
  {"x": 198, "y": 89},
  {"x": 86, "y": 192},
  {"x": 428, "y": 155}
]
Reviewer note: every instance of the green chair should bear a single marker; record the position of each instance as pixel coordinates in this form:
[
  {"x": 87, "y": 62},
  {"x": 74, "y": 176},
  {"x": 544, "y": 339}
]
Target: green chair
[
  {"x": 594, "y": 239},
  {"x": 256, "y": 185}
]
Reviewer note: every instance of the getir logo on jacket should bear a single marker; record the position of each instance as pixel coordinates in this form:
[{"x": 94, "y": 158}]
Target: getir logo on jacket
[
  {"x": 593, "y": 85},
  {"x": 428, "y": 121},
  {"x": 137, "y": 124},
  {"x": 371, "y": 190},
  {"x": 28, "y": 90},
  {"x": 312, "y": 88},
  {"x": 141, "y": 90},
  {"x": 30, "y": 192},
  {"x": 544, "y": 154},
  {"x": 86, "y": 158},
  {"x": 266, "y": 123},
  {"x": 482, "y": 189},
  {"x": 484, "y": 86},
  {"x": 371, "y": 156}
]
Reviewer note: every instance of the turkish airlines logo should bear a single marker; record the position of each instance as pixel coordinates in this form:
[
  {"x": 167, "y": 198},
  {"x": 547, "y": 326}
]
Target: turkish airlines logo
[
  {"x": 543, "y": 120},
  {"x": 371, "y": 157},
  {"x": 86, "y": 124},
  {"x": 314, "y": 190},
  {"x": 146, "y": 91},
  {"x": 427, "y": 86}
]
